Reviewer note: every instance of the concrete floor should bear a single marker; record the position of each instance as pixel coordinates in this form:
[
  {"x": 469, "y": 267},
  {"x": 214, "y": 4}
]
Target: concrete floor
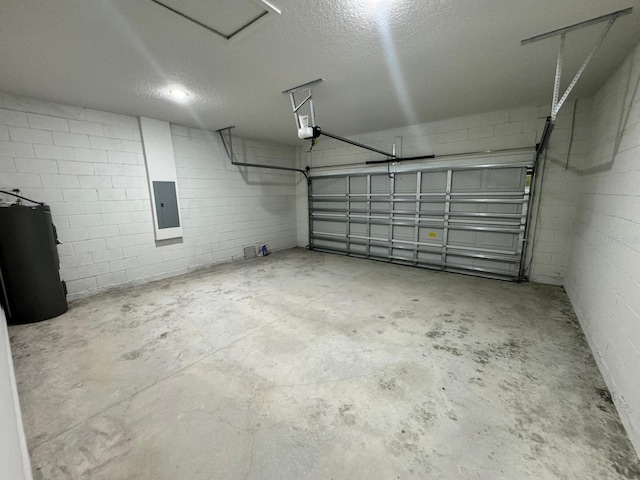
[{"x": 304, "y": 365}]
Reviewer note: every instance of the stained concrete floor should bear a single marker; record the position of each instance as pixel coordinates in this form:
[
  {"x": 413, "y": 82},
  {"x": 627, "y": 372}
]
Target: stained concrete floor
[{"x": 304, "y": 365}]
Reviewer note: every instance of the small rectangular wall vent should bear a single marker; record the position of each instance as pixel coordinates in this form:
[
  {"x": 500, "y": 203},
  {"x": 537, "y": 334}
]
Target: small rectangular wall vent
[{"x": 249, "y": 252}]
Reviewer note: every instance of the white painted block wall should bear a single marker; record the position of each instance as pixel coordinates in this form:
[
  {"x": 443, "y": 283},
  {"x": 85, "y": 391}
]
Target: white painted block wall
[
  {"x": 88, "y": 165},
  {"x": 603, "y": 279},
  {"x": 521, "y": 127}
]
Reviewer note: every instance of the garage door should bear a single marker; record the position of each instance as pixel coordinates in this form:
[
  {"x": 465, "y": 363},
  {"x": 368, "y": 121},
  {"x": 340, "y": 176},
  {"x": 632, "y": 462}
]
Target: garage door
[{"x": 467, "y": 216}]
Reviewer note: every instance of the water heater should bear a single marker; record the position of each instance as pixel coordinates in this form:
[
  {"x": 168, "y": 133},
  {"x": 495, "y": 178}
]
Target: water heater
[{"x": 31, "y": 289}]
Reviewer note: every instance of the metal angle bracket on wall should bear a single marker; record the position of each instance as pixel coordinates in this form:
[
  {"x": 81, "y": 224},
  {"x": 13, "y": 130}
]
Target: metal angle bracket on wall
[
  {"x": 562, "y": 32},
  {"x": 229, "y": 149}
]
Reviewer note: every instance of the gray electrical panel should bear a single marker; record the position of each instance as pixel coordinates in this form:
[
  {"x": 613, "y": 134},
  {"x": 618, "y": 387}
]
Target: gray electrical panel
[{"x": 166, "y": 204}]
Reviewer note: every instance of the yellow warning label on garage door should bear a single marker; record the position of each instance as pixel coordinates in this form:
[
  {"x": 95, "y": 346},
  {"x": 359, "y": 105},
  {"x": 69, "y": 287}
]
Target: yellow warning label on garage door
[{"x": 433, "y": 234}]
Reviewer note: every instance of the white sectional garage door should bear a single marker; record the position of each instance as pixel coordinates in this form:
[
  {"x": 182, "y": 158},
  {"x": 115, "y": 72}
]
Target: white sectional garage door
[{"x": 467, "y": 216}]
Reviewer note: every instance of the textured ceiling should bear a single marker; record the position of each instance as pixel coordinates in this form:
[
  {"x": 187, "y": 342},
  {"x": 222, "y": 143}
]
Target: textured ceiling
[{"x": 386, "y": 63}]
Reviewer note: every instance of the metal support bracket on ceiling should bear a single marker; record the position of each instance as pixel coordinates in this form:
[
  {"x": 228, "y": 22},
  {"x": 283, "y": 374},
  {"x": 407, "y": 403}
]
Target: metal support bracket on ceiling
[
  {"x": 229, "y": 149},
  {"x": 302, "y": 121},
  {"x": 562, "y": 32},
  {"x": 311, "y": 131}
]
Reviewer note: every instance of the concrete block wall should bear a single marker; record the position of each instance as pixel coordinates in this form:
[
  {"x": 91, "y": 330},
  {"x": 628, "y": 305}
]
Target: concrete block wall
[
  {"x": 520, "y": 127},
  {"x": 89, "y": 167},
  {"x": 226, "y": 207},
  {"x": 556, "y": 195},
  {"x": 603, "y": 279},
  {"x": 302, "y": 199}
]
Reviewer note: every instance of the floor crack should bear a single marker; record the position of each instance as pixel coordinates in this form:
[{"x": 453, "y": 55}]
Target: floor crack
[{"x": 253, "y": 441}]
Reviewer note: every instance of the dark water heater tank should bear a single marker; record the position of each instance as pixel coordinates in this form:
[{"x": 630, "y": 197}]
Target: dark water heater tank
[{"x": 31, "y": 289}]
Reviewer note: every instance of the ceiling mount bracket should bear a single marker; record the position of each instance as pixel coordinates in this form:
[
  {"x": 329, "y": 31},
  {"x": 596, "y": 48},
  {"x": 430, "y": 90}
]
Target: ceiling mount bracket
[
  {"x": 302, "y": 121},
  {"x": 610, "y": 18},
  {"x": 312, "y": 132}
]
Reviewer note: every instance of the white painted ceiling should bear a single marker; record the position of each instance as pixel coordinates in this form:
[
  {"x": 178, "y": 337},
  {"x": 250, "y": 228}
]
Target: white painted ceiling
[{"x": 387, "y": 63}]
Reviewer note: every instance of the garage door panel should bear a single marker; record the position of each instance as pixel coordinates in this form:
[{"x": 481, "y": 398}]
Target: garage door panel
[
  {"x": 466, "y": 181},
  {"x": 430, "y": 258},
  {"x": 386, "y": 206},
  {"x": 465, "y": 207},
  {"x": 329, "y": 185},
  {"x": 358, "y": 185},
  {"x": 483, "y": 240},
  {"x": 379, "y": 252},
  {"x": 490, "y": 266},
  {"x": 463, "y": 237},
  {"x": 322, "y": 226},
  {"x": 380, "y": 231},
  {"x": 358, "y": 249},
  {"x": 431, "y": 221},
  {"x": 330, "y": 205},
  {"x": 405, "y": 208},
  {"x": 400, "y": 253},
  {"x": 380, "y": 184},
  {"x": 358, "y": 229},
  {"x": 488, "y": 180},
  {"x": 436, "y": 207},
  {"x": 506, "y": 206},
  {"x": 405, "y": 183},
  {"x": 433, "y": 182},
  {"x": 430, "y": 235},
  {"x": 508, "y": 241},
  {"x": 458, "y": 219},
  {"x": 404, "y": 233},
  {"x": 323, "y": 244},
  {"x": 404, "y": 219},
  {"x": 509, "y": 208},
  {"x": 505, "y": 179}
]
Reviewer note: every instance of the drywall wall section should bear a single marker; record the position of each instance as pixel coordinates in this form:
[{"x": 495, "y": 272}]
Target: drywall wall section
[
  {"x": 162, "y": 177},
  {"x": 88, "y": 165},
  {"x": 521, "y": 127},
  {"x": 603, "y": 280},
  {"x": 14, "y": 456}
]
